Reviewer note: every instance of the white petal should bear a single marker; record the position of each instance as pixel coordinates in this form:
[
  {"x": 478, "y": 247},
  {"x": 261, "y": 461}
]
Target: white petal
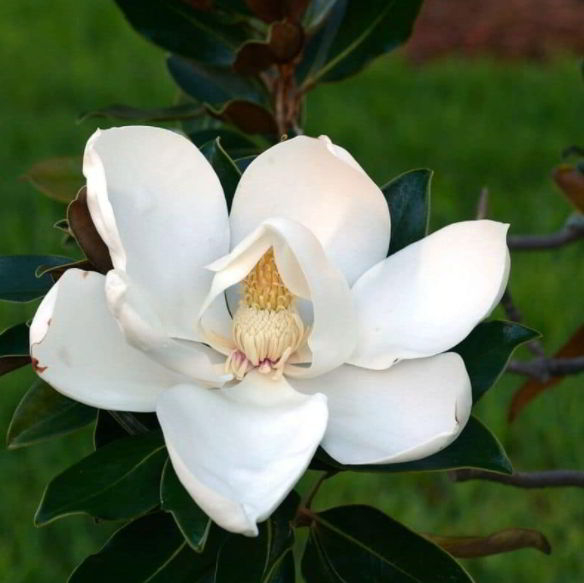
[
  {"x": 307, "y": 273},
  {"x": 159, "y": 206},
  {"x": 239, "y": 450},
  {"x": 79, "y": 350},
  {"x": 321, "y": 186},
  {"x": 427, "y": 297},
  {"x": 143, "y": 329},
  {"x": 404, "y": 413}
]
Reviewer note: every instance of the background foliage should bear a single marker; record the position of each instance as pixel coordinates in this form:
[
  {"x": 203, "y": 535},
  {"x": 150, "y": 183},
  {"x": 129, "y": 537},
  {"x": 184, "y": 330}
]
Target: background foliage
[{"x": 475, "y": 124}]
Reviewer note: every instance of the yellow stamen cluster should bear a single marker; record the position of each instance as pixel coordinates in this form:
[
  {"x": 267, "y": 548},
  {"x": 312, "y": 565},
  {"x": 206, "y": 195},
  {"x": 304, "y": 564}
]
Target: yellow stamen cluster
[
  {"x": 267, "y": 329},
  {"x": 263, "y": 287}
]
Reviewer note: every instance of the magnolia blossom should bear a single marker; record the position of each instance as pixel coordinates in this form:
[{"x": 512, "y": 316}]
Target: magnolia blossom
[{"x": 257, "y": 336}]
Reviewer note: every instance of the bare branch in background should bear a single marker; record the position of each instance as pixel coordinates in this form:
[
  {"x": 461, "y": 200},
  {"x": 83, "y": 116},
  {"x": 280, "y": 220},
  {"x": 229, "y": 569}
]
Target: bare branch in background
[
  {"x": 544, "y": 479},
  {"x": 543, "y": 368},
  {"x": 568, "y": 234},
  {"x": 483, "y": 204}
]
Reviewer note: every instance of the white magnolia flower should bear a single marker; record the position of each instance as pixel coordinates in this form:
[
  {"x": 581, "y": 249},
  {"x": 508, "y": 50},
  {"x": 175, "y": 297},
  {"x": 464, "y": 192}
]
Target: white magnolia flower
[{"x": 260, "y": 335}]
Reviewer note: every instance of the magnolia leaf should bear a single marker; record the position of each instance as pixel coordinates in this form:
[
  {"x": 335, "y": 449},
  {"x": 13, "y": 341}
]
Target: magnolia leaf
[
  {"x": 224, "y": 167},
  {"x": 243, "y": 163},
  {"x": 113, "y": 425},
  {"x": 18, "y": 280},
  {"x": 82, "y": 227},
  {"x": 43, "y": 414},
  {"x": 270, "y": 10},
  {"x": 354, "y": 34},
  {"x": 502, "y": 541},
  {"x": 190, "y": 519},
  {"x": 571, "y": 182},
  {"x": 182, "y": 29},
  {"x": 261, "y": 559},
  {"x": 360, "y": 543},
  {"x": 284, "y": 43},
  {"x": 212, "y": 85},
  {"x": 231, "y": 140},
  {"x": 116, "y": 482},
  {"x": 14, "y": 348},
  {"x": 57, "y": 271},
  {"x": 247, "y": 116},
  {"x": 14, "y": 341},
  {"x": 408, "y": 198},
  {"x": 157, "y": 114},
  {"x": 487, "y": 349},
  {"x": 533, "y": 387},
  {"x": 475, "y": 447},
  {"x": 150, "y": 549},
  {"x": 317, "y": 12},
  {"x": 58, "y": 178}
]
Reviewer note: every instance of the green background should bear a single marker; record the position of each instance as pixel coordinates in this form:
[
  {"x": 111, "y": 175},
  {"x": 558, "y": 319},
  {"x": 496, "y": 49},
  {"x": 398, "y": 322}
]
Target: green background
[{"x": 476, "y": 123}]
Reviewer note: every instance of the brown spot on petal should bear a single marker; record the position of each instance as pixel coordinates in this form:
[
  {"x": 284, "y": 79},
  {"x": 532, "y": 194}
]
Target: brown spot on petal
[{"x": 37, "y": 367}]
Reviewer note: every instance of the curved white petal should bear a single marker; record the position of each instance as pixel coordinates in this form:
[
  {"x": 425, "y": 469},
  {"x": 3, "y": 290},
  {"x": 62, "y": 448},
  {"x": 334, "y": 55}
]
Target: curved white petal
[
  {"x": 308, "y": 274},
  {"x": 427, "y": 297},
  {"x": 158, "y": 205},
  {"x": 321, "y": 186},
  {"x": 143, "y": 329},
  {"x": 404, "y": 413},
  {"x": 79, "y": 350},
  {"x": 238, "y": 451}
]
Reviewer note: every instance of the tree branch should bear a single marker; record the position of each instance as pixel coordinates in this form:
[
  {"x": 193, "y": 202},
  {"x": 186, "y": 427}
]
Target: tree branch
[
  {"x": 545, "y": 479},
  {"x": 543, "y": 368},
  {"x": 568, "y": 234}
]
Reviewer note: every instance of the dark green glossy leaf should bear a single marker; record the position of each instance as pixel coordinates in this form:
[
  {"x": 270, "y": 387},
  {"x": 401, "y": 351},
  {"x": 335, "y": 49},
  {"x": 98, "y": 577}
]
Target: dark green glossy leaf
[
  {"x": 212, "y": 85},
  {"x": 112, "y": 425},
  {"x": 57, "y": 271},
  {"x": 476, "y": 447},
  {"x": 261, "y": 559},
  {"x": 116, "y": 482},
  {"x": 408, "y": 198},
  {"x": 85, "y": 232},
  {"x": 58, "y": 178},
  {"x": 181, "y": 29},
  {"x": 43, "y": 413},
  {"x": 18, "y": 282},
  {"x": 231, "y": 140},
  {"x": 127, "y": 112},
  {"x": 487, "y": 349},
  {"x": 354, "y": 34},
  {"x": 190, "y": 519},
  {"x": 14, "y": 341},
  {"x": 148, "y": 550},
  {"x": 243, "y": 163},
  {"x": 360, "y": 543},
  {"x": 224, "y": 167},
  {"x": 317, "y": 12}
]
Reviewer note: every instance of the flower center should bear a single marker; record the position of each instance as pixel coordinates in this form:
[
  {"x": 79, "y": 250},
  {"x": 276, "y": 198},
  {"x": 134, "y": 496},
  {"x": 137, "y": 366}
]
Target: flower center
[{"x": 267, "y": 329}]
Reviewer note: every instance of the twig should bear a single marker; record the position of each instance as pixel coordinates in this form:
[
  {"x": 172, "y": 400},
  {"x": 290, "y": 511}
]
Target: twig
[
  {"x": 543, "y": 368},
  {"x": 310, "y": 497},
  {"x": 483, "y": 204},
  {"x": 568, "y": 234},
  {"x": 545, "y": 479}
]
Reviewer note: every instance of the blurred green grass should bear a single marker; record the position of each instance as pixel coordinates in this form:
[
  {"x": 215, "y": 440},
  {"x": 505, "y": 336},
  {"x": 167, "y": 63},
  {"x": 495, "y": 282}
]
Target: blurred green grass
[{"x": 475, "y": 123}]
